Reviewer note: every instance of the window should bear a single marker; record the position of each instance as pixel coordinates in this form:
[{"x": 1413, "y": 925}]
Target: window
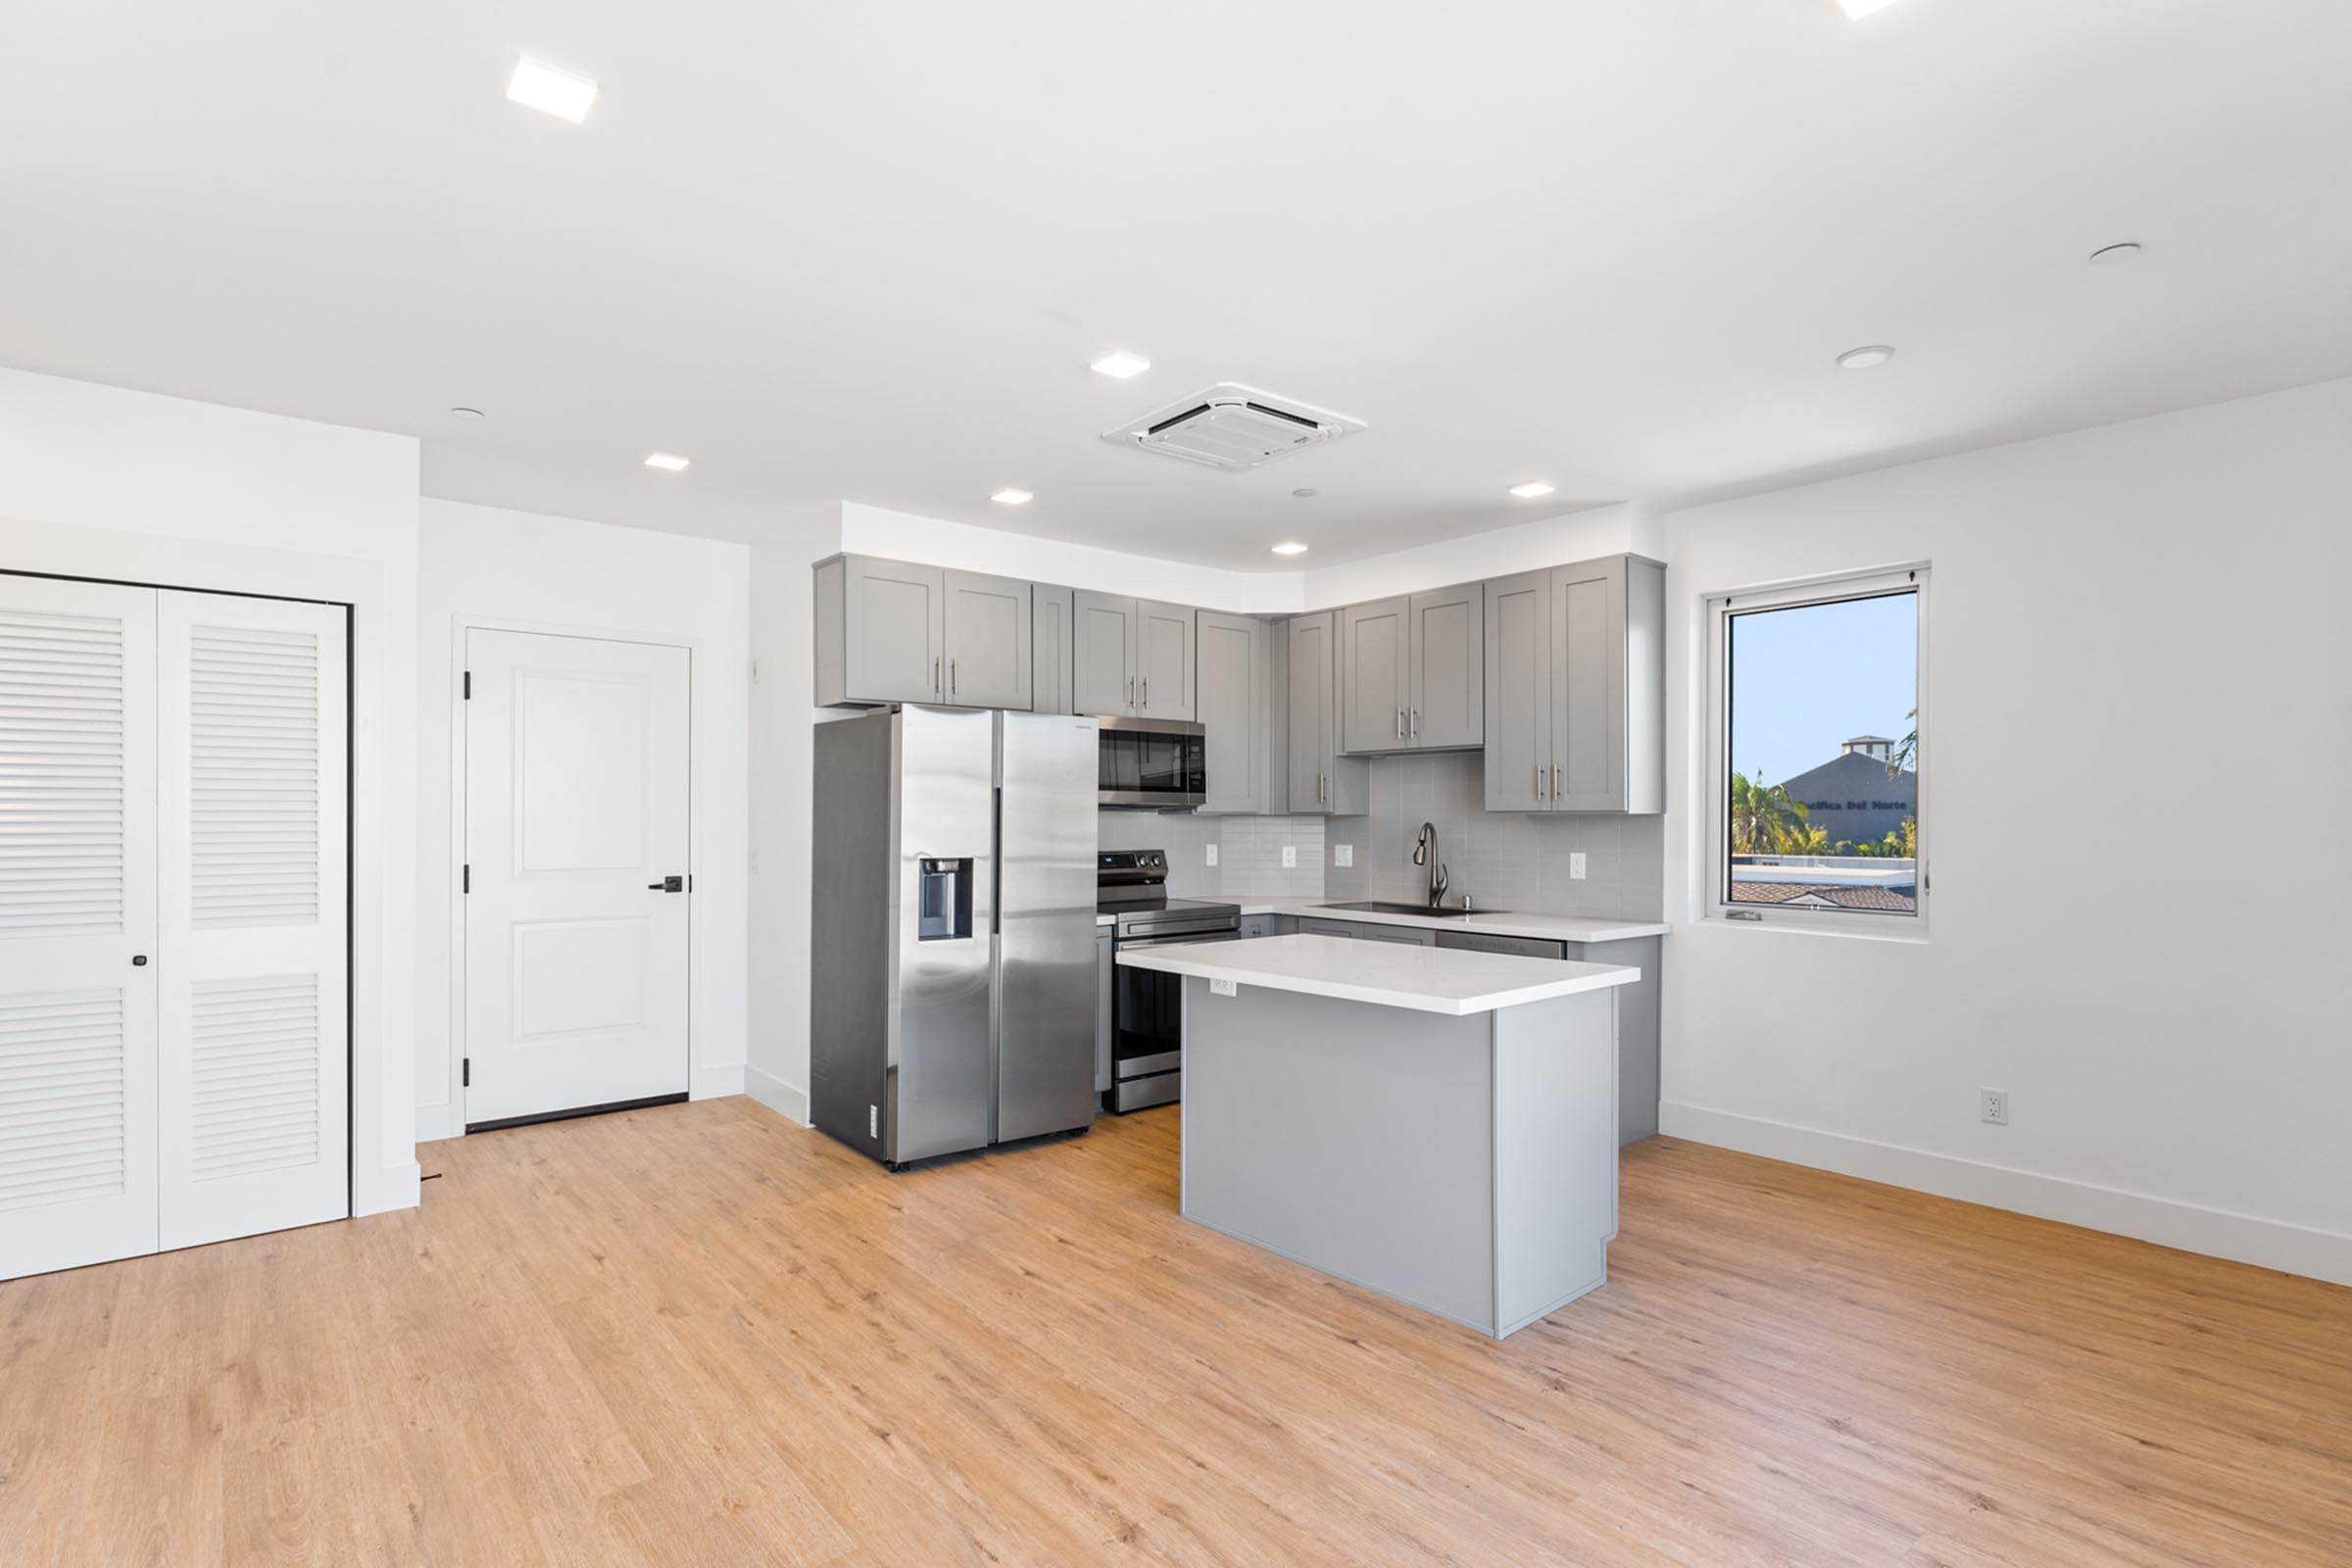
[{"x": 1818, "y": 719}]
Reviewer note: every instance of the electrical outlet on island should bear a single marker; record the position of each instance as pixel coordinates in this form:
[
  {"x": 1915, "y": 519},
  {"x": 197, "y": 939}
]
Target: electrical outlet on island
[
  {"x": 1212, "y": 855},
  {"x": 1289, "y": 856}
]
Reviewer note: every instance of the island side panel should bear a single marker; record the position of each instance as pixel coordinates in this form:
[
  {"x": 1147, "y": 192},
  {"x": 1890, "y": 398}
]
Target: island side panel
[
  {"x": 1555, "y": 1153},
  {"x": 1636, "y": 1031},
  {"x": 1355, "y": 1139}
]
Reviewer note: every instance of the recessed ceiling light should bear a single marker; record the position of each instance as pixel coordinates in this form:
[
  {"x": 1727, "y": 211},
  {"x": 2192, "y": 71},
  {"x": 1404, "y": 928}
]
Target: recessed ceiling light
[
  {"x": 1119, "y": 365},
  {"x": 463, "y": 413},
  {"x": 666, "y": 462},
  {"x": 1289, "y": 547},
  {"x": 1531, "y": 490},
  {"x": 1012, "y": 498},
  {"x": 1866, "y": 358},
  {"x": 556, "y": 92},
  {"x": 2116, "y": 253},
  {"x": 1858, "y": 9}
]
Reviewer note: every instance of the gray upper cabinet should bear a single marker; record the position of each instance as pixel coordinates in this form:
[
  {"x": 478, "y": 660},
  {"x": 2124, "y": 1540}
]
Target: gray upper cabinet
[
  {"x": 1576, "y": 713},
  {"x": 1131, "y": 657},
  {"x": 1163, "y": 659},
  {"x": 1050, "y": 662},
  {"x": 1102, "y": 654},
  {"x": 1375, "y": 675},
  {"x": 1320, "y": 781},
  {"x": 881, "y": 628},
  {"x": 1518, "y": 693},
  {"x": 1448, "y": 668},
  {"x": 1232, "y": 702},
  {"x": 988, "y": 641}
]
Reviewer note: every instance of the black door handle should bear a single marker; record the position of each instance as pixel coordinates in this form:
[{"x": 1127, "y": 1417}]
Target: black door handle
[
  {"x": 138, "y": 960},
  {"x": 668, "y": 884}
]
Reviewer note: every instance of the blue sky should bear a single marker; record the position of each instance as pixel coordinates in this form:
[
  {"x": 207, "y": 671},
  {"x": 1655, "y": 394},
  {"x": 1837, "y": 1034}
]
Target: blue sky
[{"x": 1804, "y": 680}]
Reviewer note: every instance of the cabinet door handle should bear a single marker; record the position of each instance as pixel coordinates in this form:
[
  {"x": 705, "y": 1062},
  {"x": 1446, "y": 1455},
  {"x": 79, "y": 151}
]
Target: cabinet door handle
[
  {"x": 950, "y": 677},
  {"x": 1147, "y": 691},
  {"x": 1539, "y": 781},
  {"x": 1400, "y": 723},
  {"x": 1131, "y": 691},
  {"x": 1416, "y": 723},
  {"x": 1555, "y": 781}
]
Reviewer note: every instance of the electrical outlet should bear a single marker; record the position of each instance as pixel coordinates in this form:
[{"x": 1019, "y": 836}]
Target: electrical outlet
[
  {"x": 1289, "y": 856},
  {"x": 1212, "y": 855},
  {"x": 1992, "y": 1104},
  {"x": 1223, "y": 988},
  {"x": 1342, "y": 855},
  {"x": 1576, "y": 865}
]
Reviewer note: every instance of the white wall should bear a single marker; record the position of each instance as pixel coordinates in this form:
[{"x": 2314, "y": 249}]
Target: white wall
[
  {"x": 783, "y": 646},
  {"x": 483, "y": 566},
  {"x": 97, "y": 481},
  {"x": 2138, "y": 630}
]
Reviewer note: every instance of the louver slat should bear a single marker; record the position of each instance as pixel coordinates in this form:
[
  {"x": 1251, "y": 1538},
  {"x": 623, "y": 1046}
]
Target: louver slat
[
  {"x": 61, "y": 776},
  {"x": 253, "y": 776},
  {"x": 254, "y": 1075},
  {"x": 61, "y": 1081}
]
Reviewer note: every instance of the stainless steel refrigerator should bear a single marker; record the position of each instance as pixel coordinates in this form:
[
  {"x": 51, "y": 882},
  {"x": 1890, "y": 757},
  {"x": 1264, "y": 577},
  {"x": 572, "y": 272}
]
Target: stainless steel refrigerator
[{"x": 951, "y": 984}]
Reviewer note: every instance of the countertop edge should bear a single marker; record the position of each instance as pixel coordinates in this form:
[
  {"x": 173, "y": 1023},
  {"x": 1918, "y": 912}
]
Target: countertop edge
[{"x": 1179, "y": 961}]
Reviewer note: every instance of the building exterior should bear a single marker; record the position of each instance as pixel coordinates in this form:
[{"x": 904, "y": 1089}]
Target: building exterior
[{"x": 1853, "y": 797}]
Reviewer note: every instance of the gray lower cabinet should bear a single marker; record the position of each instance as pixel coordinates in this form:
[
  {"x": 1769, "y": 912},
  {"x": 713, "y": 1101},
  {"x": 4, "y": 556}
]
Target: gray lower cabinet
[
  {"x": 1050, "y": 645},
  {"x": 1233, "y": 702},
  {"x": 880, "y": 631},
  {"x": 1410, "y": 936},
  {"x": 1131, "y": 657},
  {"x": 1102, "y": 974},
  {"x": 1310, "y": 925},
  {"x": 1320, "y": 781},
  {"x": 1637, "y": 1083},
  {"x": 988, "y": 641},
  {"x": 1575, "y": 703},
  {"x": 1258, "y": 925}
]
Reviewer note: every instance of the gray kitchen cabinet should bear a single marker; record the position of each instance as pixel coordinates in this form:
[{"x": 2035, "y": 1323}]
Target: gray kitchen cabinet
[
  {"x": 1609, "y": 686},
  {"x": 1101, "y": 653},
  {"x": 1448, "y": 660},
  {"x": 1102, "y": 975},
  {"x": 1411, "y": 936},
  {"x": 1575, "y": 688},
  {"x": 881, "y": 627},
  {"x": 1049, "y": 650},
  {"x": 1164, "y": 637},
  {"x": 1518, "y": 692},
  {"x": 1131, "y": 657},
  {"x": 1310, "y": 925},
  {"x": 1258, "y": 925},
  {"x": 1375, "y": 675},
  {"x": 1232, "y": 700},
  {"x": 988, "y": 641},
  {"x": 1320, "y": 782},
  {"x": 1636, "y": 1012}
]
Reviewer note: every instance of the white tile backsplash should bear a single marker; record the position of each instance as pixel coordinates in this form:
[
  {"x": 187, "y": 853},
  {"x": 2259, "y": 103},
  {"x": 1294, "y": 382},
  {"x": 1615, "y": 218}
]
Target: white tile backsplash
[{"x": 1502, "y": 861}]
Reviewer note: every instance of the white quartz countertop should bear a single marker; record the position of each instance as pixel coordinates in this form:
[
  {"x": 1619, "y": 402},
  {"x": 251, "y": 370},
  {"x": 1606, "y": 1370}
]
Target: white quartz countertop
[
  {"x": 1444, "y": 980},
  {"x": 1555, "y": 927}
]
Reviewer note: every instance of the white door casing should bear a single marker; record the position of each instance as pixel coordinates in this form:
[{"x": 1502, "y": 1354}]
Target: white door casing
[
  {"x": 77, "y": 903},
  {"x": 577, "y": 813},
  {"x": 253, "y": 941}
]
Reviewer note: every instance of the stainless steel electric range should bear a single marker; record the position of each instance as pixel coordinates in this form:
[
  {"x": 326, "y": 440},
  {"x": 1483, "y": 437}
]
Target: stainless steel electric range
[{"x": 1146, "y": 1008}]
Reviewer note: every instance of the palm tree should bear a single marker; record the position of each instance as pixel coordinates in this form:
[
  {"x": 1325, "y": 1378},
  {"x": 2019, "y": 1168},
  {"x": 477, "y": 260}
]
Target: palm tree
[
  {"x": 1765, "y": 820},
  {"x": 1906, "y": 749}
]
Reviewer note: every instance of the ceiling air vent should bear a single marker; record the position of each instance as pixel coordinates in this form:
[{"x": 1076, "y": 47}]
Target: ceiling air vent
[{"x": 1233, "y": 426}]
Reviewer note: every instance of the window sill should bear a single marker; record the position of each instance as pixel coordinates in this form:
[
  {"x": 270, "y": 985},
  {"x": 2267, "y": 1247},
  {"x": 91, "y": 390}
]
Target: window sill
[{"x": 1915, "y": 935}]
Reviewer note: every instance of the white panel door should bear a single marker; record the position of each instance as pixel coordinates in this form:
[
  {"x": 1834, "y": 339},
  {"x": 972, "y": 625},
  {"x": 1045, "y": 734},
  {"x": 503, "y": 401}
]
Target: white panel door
[
  {"x": 575, "y": 831},
  {"x": 252, "y": 809},
  {"x": 77, "y": 924}
]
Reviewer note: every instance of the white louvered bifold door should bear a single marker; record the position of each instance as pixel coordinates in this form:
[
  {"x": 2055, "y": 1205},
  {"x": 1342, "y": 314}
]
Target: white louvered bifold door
[
  {"x": 77, "y": 905},
  {"x": 254, "y": 1064}
]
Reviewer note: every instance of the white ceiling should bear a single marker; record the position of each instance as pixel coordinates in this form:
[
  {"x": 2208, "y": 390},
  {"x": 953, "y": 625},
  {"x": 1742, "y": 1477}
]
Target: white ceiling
[{"x": 867, "y": 250}]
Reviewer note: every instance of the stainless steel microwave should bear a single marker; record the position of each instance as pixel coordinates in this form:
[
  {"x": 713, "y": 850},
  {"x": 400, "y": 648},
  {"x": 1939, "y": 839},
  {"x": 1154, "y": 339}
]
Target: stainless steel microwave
[{"x": 1152, "y": 764}]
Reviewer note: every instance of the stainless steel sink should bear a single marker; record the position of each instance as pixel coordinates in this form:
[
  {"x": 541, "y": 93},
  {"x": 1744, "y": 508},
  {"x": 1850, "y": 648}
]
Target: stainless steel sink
[{"x": 1376, "y": 906}]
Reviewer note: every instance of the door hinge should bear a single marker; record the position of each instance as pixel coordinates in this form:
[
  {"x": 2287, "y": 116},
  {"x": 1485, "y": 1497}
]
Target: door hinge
[
  {"x": 465, "y": 878},
  {"x": 469, "y": 686},
  {"x": 465, "y": 1072}
]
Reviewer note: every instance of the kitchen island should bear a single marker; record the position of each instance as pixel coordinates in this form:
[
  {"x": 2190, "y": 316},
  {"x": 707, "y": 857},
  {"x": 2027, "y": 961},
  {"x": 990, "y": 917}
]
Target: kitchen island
[{"x": 1434, "y": 1124}]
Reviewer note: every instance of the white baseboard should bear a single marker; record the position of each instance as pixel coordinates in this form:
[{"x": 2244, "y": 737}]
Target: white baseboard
[
  {"x": 397, "y": 1187},
  {"x": 789, "y": 1101},
  {"x": 436, "y": 1122},
  {"x": 2168, "y": 1222},
  {"x": 712, "y": 1082}
]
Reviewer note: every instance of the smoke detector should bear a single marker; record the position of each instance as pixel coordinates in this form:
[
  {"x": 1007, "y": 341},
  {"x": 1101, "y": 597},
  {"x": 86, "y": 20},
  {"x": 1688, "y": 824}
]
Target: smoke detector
[{"x": 1233, "y": 426}]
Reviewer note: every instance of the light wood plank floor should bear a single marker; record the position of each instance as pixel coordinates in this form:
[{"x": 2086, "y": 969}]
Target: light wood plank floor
[{"x": 698, "y": 1334}]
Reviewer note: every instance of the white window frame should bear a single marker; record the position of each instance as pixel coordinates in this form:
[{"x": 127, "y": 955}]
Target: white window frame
[{"x": 1715, "y": 796}]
